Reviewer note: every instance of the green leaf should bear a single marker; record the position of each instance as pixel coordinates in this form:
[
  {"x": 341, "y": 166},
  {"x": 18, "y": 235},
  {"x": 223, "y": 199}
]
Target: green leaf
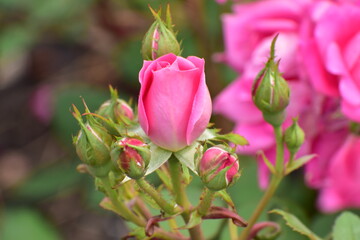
[
  {"x": 224, "y": 195},
  {"x": 347, "y": 227},
  {"x": 267, "y": 162},
  {"x": 296, "y": 224},
  {"x": 158, "y": 157},
  {"x": 234, "y": 138},
  {"x": 207, "y": 134},
  {"x": 24, "y": 223},
  {"x": 186, "y": 156},
  {"x": 299, "y": 163}
]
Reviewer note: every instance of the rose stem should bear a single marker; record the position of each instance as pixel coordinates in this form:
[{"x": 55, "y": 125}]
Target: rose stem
[
  {"x": 205, "y": 202},
  {"x": 169, "y": 208},
  {"x": 275, "y": 181},
  {"x": 119, "y": 205},
  {"x": 181, "y": 197}
]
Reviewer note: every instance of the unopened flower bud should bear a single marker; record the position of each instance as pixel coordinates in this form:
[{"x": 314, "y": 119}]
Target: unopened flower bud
[
  {"x": 271, "y": 91},
  {"x": 132, "y": 156},
  {"x": 160, "y": 39},
  {"x": 93, "y": 147},
  {"x": 116, "y": 110},
  {"x": 218, "y": 168},
  {"x": 115, "y": 114},
  {"x": 294, "y": 137}
]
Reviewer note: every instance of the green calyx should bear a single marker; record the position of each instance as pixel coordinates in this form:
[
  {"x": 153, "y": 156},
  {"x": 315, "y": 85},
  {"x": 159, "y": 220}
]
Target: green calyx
[{"x": 217, "y": 181}]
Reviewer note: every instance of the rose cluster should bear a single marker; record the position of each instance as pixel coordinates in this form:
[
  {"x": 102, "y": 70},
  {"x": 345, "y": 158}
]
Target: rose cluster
[{"x": 319, "y": 48}]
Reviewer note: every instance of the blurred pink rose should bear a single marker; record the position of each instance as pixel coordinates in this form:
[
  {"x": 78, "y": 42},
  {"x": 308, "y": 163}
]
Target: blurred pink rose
[
  {"x": 325, "y": 146},
  {"x": 342, "y": 188},
  {"x": 319, "y": 48},
  {"x": 249, "y": 31},
  {"x": 174, "y": 102},
  {"x": 41, "y": 103},
  {"x": 331, "y": 52},
  {"x": 326, "y": 131}
]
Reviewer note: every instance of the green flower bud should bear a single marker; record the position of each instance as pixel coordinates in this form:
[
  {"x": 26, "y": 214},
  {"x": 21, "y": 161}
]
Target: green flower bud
[
  {"x": 93, "y": 145},
  {"x": 160, "y": 38},
  {"x": 270, "y": 91},
  {"x": 116, "y": 109},
  {"x": 294, "y": 137},
  {"x": 132, "y": 156}
]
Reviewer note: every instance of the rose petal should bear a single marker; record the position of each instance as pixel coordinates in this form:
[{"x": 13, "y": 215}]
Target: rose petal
[
  {"x": 201, "y": 107},
  {"x": 167, "y": 108}
]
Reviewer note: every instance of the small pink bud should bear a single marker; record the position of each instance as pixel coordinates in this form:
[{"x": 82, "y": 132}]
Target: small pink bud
[
  {"x": 132, "y": 156},
  {"x": 126, "y": 110},
  {"x": 116, "y": 110},
  {"x": 218, "y": 168}
]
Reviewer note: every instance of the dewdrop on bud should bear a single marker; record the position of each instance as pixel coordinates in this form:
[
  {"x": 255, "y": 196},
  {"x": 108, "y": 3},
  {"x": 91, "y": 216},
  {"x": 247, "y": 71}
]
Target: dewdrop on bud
[
  {"x": 160, "y": 38},
  {"x": 294, "y": 137},
  {"x": 218, "y": 168},
  {"x": 132, "y": 156}
]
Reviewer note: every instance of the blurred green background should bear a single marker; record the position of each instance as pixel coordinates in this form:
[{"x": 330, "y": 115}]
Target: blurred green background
[{"x": 52, "y": 52}]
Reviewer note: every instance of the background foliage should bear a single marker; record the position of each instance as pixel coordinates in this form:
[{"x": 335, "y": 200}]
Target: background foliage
[{"x": 54, "y": 51}]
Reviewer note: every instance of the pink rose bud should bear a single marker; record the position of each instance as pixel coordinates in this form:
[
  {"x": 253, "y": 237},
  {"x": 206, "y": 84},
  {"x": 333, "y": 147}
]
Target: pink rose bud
[
  {"x": 93, "y": 145},
  {"x": 174, "y": 102},
  {"x": 160, "y": 38},
  {"x": 132, "y": 156},
  {"x": 218, "y": 168},
  {"x": 270, "y": 91}
]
